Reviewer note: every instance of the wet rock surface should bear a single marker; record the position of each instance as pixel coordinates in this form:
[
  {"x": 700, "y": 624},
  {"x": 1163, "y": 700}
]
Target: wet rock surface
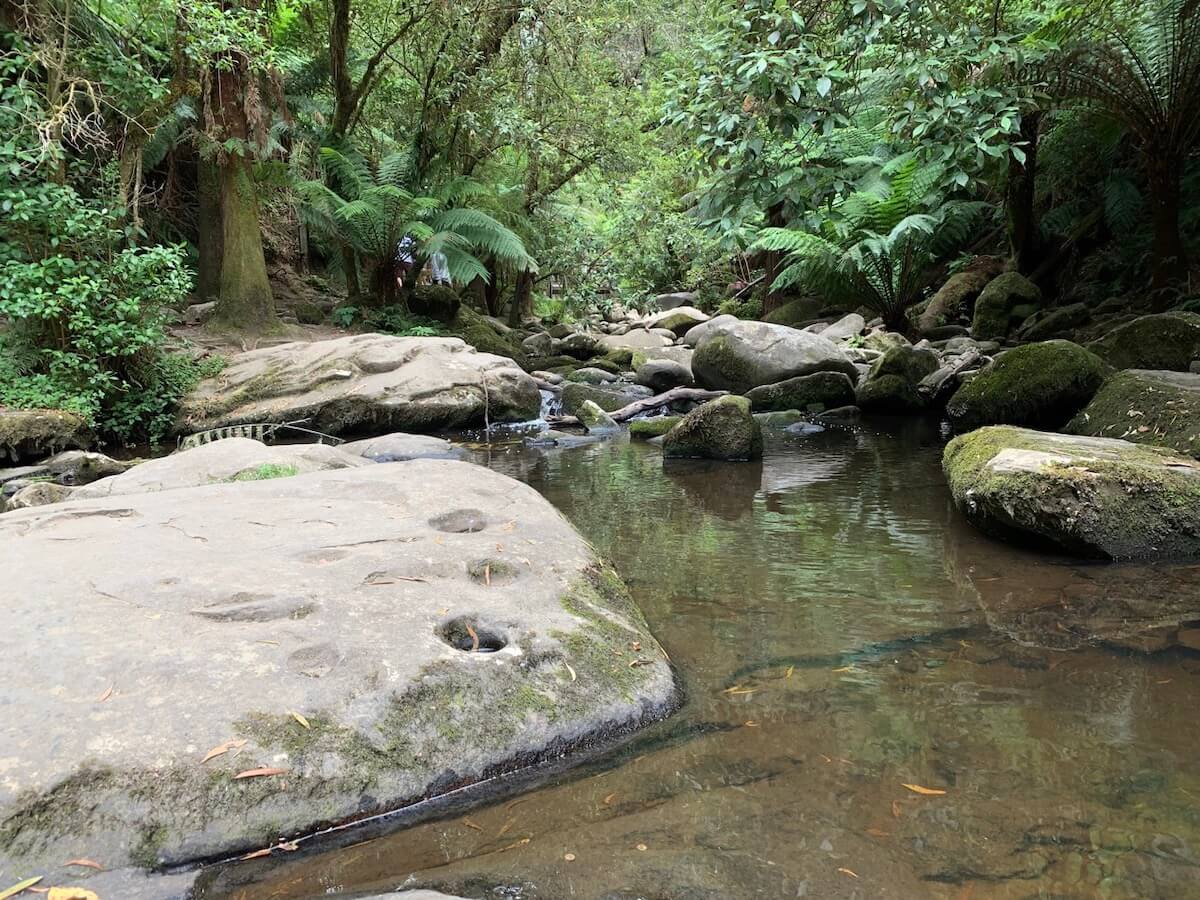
[
  {"x": 333, "y": 680},
  {"x": 741, "y": 355},
  {"x": 364, "y": 383},
  {"x": 1096, "y": 497}
]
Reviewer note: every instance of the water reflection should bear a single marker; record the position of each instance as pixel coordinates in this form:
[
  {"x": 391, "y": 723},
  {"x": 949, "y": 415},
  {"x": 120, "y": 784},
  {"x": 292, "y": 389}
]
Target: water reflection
[{"x": 842, "y": 634}]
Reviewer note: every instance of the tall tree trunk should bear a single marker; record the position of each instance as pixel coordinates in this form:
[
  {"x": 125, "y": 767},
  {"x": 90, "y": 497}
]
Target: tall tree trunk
[
  {"x": 522, "y": 302},
  {"x": 244, "y": 301},
  {"x": 1023, "y": 228},
  {"x": 350, "y": 270},
  {"x": 208, "y": 228},
  {"x": 1170, "y": 262}
]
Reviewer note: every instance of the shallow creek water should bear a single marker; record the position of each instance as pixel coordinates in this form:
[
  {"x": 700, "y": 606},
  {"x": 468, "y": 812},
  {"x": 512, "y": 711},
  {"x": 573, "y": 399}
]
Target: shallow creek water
[{"x": 840, "y": 632}]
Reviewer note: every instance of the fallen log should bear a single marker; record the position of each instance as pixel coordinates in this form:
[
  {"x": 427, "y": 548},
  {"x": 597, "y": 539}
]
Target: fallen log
[{"x": 674, "y": 395}]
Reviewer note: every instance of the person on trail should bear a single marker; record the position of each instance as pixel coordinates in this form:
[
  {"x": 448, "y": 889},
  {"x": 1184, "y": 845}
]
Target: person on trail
[
  {"x": 440, "y": 269},
  {"x": 406, "y": 258}
]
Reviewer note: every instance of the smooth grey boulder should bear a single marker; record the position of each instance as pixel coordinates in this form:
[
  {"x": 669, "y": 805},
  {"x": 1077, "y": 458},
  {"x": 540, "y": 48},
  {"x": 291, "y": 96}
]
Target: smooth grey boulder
[
  {"x": 715, "y": 325},
  {"x": 364, "y": 381},
  {"x": 540, "y": 344},
  {"x": 846, "y": 327},
  {"x": 228, "y": 460},
  {"x": 238, "y": 664},
  {"x": 635, "y": 339},
  {"x": 811, "y": 393},
  {"x": 76, "y": 467},
  {"x": 40, "y": 493},
  {"x": 678, "y": 320},
  {"x": 663, "y": 374},
  {"x": 591, "y": 375},
  {"x": 399, "y": 447},
  {"x": 672, "y": 301},
  {"x": 1094, "y": 497},
  {"x": 745, "y": 355},
  {"x": 576, "y": 344}
]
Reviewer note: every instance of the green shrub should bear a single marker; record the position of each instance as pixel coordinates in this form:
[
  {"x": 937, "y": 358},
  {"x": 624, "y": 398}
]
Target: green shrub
[{"x": 267, "y": 471}]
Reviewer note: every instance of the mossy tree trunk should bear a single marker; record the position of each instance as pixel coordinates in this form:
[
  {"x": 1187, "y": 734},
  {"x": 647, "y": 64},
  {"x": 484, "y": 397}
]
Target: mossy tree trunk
[
  {"x": 522, "y": 302},
  {"x": 1170, "y": 260},
  {"x": 208, "y": 227},
  {"x": 244, "y": 300},
  {"x": 1023, "y": 227}
]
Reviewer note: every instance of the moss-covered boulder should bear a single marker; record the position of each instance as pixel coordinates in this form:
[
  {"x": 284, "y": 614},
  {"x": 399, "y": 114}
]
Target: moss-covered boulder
[
  {"x": 1163, "y": 341},
  {"x": 811, "y": 393},
  {"x": 891, "y": 384},
  {"x": 594, "y": 419},
  {"x": 608, "y": 397},
  {"x": 743, "y": 355},
  {"x": 1055, "y": 323},
  {"x": 483, "y": 334},
  {"x": 1146, "y": 407},
  {"x": 1093, "y": 497},
  {"x": 652, "y": 428},
  {"x": 958, "y": 295},
  {"x": 1038, "y": 386},
  {"x": 795, "y": 313},
  {"x": 31, "y": 434},
  {"x": 721, "y": 429},
  {"x": 436, "y": 301},
  {"x": 1003, "y": 304}
]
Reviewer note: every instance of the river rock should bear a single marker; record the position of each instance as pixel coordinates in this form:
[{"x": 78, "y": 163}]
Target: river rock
[
  {"x": 576, "y": 344},
  {"x": 1006, "y": 302},
  {"x": 795, "y": 313},
  {"x": 846, "y": 327},
  {"x": 592, "y": 375},
  {"x": 1093, "y": 497},
  {"x": 1037, "y": 385},
  {"x": 540, "y": 344},
  {"x": 637, "y": 339},
  {"x": 721, "y": 429},
  {"x": 208, "y": 619},
  {"x": 959, "y": 293},
  {"x": 594, "y": 419},
  {"x": 228, "y": 460},
  {"x": 78, "y": 467},
  {"x": 1146, "y": 407},
  {"x": 694, "y": 336},
  {"x": 745, "y": 355},
  {"x": 663, "y": 374},
  {"x": 653, "y": 427},
  {"x": 608, "y": 397},
  {"x": 400, "y": 447},
  {"x": 1164, "y": 341},
  {"x": 811, "y": 393},
  {"x": 678, "y": 320},
  {"x": 40, "y": 493},
  {"x": 27, "y": 435},
  {"x": 673, "y": 301},
  {"x": 891, "y": 384},
  {"x": 364, "y": 381}
]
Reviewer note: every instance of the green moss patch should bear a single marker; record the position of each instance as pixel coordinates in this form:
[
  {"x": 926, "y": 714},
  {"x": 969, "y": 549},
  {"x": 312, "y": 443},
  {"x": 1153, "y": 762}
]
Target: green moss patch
[
  {"x": 1165, "y": 341},
  {"x": 1161, "y": 408},
  {"x": 652, "y": 428}
]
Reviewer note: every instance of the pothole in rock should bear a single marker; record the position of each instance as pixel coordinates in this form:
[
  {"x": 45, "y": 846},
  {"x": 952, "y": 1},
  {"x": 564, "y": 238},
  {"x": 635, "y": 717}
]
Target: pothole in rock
[
  {"x": 460, "y": 521},
  {"x": 490, "y": 572},
  {"x": 471, "y": 636}
]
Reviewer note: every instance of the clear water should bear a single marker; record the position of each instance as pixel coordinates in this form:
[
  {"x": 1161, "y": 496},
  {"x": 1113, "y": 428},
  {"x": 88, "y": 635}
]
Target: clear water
[{"x": 841, "y": 632}]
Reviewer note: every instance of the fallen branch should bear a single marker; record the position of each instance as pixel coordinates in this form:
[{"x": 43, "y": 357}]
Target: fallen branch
[
  {"x": 675, "y": 395},
  {"x": 944, "y": 381}
]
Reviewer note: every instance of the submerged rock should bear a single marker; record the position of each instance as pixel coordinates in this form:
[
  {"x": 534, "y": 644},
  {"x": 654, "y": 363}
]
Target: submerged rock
[
  {"x": 1164, "y": 341},
  {"x": 364, "y": 381},
  {"x": 231, "y": 459},
  {"x": 744, "y": 355},
  {"x": 1095, "y": 497},
  {"x": 1146, "y": 407},
  {"x": 1038, "y": 385},
  {"x": 347, "y": 641},
  {"x": 31, "y": 434},
  {"x": 721, "y": 429},
  {"x": 813, "y": 393}
]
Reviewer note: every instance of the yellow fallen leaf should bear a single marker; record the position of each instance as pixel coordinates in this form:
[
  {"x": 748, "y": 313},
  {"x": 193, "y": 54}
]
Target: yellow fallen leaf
[
  {"x": 299, "y": 718},
  {"x": 514, "y": 845},
  {"x": 472, "y": 824},
  {"x": 260, "y": 772},
  {"x": 71, "y": 893},
  {"x": 108, "y": 693},
  {"x": 789, "y": 672},
  {"x": 88, "y": 863},
  {"x": 18, "y": 887},
  {"x": 222, "y": 749},
  {"x": 924, "y": 791},
  {"x": 849, "y": 872},
  {"x": 845, "y": 669}
]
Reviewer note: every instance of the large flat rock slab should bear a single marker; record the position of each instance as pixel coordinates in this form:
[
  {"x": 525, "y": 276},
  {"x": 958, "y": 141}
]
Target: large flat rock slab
[
  {"x": 353, "y": 639},
  {"x": 1146, "y": 406},
  {"x": 1094, "y": 497},
  {"x": 364, "y": 383}
]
